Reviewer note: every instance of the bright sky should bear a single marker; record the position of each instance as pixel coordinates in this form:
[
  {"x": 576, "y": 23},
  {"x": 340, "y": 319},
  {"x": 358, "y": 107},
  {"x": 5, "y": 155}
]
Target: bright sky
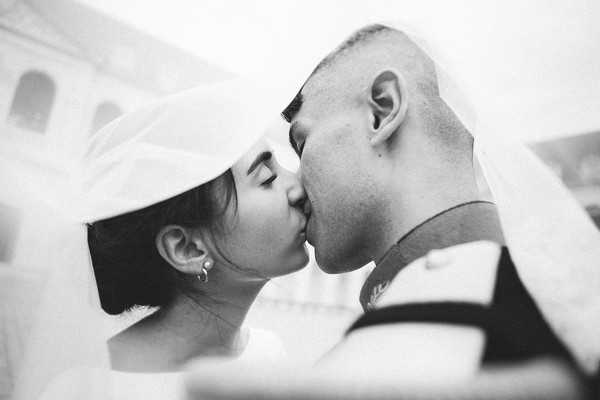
[{"x": 508, "y": 54}]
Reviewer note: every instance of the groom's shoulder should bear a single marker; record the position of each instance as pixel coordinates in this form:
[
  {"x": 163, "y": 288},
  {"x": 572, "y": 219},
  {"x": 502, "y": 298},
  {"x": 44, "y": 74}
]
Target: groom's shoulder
[
  {"x": 420, "y": 336},
  {"x": 466, "y": 272}
]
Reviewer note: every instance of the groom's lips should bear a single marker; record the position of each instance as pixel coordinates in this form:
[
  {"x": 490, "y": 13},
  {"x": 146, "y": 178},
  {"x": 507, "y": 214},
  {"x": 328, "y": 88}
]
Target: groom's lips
[
  {"x": 307, "y": 208},
  {"x": 307, "y": 230},
  {"x": 307, "y": 211}
]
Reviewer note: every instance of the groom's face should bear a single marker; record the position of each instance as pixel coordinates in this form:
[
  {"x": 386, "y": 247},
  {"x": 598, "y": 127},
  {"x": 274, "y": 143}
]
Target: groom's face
[{"x": 328, "y": 133}]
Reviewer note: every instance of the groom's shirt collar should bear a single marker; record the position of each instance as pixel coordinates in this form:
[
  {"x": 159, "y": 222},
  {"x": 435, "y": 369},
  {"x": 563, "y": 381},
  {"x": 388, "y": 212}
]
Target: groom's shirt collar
[{"x": 463, "y": 223}]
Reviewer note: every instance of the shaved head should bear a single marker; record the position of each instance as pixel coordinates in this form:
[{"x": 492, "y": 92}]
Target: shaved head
[
  {"x": 349, "y": 68},
  {"x": 374, "y": 46},
  {"x": 369, "y": 49}
]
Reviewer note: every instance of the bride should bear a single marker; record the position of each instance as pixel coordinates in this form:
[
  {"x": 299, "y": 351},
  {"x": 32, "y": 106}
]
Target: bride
[
  {"x": 181, "y": 206},
  {"x": 201, "y": 257}
]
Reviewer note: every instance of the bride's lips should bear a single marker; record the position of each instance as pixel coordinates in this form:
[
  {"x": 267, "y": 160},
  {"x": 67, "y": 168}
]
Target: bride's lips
[{"x": 303, "y": 226}]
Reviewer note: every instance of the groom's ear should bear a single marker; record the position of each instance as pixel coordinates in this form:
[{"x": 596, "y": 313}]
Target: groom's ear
[
  {"x": 388, "y": 103},
  {"x": 183, "y": 248}
]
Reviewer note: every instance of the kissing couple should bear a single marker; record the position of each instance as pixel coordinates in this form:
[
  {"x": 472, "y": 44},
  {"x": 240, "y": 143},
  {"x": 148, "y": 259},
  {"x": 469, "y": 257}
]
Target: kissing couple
[{"x": 186, "y": 209}]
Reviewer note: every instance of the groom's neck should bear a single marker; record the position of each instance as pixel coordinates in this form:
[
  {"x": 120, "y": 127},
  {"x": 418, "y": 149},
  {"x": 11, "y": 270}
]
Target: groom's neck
[{"x": 411, "y": 202}]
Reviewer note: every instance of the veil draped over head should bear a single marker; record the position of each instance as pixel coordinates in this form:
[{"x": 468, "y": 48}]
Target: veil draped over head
[
  {"x": 552, "y": 240},
  {"x": 185, "y": 140},
  {"x": 144, "y": 157},
  {"x": 544, "y": 84}
]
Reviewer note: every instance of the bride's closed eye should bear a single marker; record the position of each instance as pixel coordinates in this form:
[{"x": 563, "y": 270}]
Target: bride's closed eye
[
  {"x": 269, "y": 181},
  {"x": 266, "y": 173},
  {"x": 264, "y": 167}
]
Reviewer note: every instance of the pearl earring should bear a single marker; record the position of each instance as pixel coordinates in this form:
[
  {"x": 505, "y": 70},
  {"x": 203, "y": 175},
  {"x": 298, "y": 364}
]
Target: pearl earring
[{"x": 203, "y": 275}]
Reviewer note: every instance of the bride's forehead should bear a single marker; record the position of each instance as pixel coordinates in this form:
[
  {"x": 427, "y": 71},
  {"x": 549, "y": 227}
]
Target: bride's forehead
[{"x": 246, "y": 160}]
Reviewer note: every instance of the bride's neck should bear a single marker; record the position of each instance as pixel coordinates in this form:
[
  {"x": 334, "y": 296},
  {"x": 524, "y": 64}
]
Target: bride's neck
[
  {"x": 195, "y": 323},
  {"x": 222, "y": 306}
]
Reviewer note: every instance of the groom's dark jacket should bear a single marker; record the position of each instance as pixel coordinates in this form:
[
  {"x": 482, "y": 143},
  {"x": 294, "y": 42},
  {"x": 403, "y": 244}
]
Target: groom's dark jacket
[{"x": 515, "y": 328}]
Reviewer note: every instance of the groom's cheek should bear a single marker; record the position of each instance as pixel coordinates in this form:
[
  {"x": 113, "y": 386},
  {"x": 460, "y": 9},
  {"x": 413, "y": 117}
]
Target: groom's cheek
[{"x": 309, "y": 167}]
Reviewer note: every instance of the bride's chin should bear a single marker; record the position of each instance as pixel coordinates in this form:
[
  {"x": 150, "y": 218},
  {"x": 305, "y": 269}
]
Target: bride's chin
[{"x": 296, "y": 261}]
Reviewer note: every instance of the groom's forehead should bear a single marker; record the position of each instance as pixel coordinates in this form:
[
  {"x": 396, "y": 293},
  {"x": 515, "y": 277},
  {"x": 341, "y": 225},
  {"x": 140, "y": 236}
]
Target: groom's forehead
[
  {"x": 318, "y": 95},
  {"x": 321, "y": 91}
]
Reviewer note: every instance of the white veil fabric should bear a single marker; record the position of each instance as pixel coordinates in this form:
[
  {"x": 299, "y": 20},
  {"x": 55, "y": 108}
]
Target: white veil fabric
[
  {"x": 187, "y": 139},
  {"x": 143, "y": 157},
  {"x": 548, "y": 86},
  {"x": 67, "y": 337},
  {"x": 553, "y": 242}
]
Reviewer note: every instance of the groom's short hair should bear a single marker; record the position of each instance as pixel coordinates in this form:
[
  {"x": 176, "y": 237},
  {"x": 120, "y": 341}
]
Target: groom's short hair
[
  {"x": 414, "y": 58},
  {"x": 399, "y": 50},
  {"x": 358, "y": 37}
]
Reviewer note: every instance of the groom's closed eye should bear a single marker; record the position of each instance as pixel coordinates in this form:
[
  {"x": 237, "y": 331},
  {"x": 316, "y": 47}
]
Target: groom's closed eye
[{"x": 294, "y": 134}]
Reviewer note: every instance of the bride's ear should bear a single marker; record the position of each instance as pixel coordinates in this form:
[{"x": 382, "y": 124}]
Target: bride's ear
[{"x": 182, "y": 248}]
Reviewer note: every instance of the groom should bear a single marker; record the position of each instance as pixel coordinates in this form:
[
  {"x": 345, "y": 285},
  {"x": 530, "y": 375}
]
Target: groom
[
  {"x": 380, "y": 154},
  {"x": 388, "y": 169}
]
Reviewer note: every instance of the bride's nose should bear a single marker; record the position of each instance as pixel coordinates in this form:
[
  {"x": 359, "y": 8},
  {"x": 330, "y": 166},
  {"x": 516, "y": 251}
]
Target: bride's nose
[{"x": 295, "y": 191}]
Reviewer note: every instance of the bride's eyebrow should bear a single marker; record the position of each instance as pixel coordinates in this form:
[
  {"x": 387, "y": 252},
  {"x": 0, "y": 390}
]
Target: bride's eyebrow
[{"x": 261, "y": 158}]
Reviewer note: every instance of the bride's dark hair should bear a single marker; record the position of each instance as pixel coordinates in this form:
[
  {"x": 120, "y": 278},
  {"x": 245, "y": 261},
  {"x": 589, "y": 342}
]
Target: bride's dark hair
[{"x": 128, "y": 268}]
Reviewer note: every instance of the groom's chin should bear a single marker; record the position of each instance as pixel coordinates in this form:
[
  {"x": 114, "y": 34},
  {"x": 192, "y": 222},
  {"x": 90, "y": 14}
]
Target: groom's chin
[
  {"x": 328, "y": 264},
  {"x": 337, "y": 263}
]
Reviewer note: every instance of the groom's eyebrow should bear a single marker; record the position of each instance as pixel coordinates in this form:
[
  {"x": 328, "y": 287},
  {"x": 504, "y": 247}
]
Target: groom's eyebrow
[
  {"x": 294, "y": 107},
  {"x": 261, "y": 158}
]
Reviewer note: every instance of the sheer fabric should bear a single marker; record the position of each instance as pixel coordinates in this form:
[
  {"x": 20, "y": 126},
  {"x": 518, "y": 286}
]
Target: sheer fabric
[
  {"x": 141, "y": 158},
  {"x": 553, "y": 242}
]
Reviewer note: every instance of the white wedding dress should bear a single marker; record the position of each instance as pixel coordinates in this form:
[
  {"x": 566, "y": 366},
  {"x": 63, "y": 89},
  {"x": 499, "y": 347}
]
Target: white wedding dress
[{"x": 262, "y": 346}]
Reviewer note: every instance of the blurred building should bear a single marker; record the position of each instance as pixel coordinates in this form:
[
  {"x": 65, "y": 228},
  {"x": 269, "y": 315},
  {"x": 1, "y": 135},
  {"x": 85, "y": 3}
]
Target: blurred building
[
  {"x": 576, "y": 160},
  {"x": 65, "y": 71}
]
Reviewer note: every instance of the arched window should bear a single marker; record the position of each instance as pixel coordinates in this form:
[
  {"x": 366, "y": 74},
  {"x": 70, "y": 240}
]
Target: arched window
[
  {"x": 32, "y": 103},
  {"x": 105, "y": 112},
  {"x": 10, "y": 221}
]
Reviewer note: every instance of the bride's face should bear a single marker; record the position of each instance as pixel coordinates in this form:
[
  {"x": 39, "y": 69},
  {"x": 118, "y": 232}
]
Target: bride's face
[{"x": 265, "y": 230}]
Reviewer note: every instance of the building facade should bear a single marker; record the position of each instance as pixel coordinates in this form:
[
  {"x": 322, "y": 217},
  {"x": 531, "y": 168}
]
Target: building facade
[
  {"x": 576, "y": 160},
  {"x": 65, "y": 71}
]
